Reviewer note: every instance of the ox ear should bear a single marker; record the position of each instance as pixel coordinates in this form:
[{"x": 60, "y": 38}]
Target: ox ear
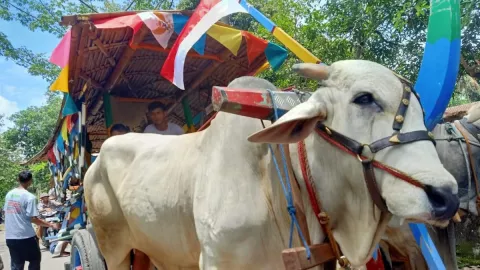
[{"x": 294, "y": 126}]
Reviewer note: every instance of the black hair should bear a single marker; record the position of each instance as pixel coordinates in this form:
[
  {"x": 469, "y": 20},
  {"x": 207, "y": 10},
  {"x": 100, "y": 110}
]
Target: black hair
[
  {"x": 156, "y": 105},
  {"x": 120, "y": 128},
  {"x": 25, "y": 177}
]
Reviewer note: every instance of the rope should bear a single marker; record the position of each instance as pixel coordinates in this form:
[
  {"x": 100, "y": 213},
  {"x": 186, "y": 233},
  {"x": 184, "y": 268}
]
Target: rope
[{"x": 287, "y": 188}]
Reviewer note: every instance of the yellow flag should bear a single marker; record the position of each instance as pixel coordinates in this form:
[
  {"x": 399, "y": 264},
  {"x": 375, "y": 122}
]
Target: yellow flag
[
  {"x": 65, "y": 131},
  {"x": 228, "y": 37},
  {"x": 75, "y": 213},
  {"x": 61, "y": 83},
  {"x": 76, "y": 151}
]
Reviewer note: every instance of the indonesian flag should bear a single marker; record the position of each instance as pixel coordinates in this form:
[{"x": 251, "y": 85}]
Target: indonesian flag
[{"x": 207, "y": 13}]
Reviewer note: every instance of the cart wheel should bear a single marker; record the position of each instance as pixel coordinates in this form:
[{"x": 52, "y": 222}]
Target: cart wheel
[{"x": 85, "y": 254}]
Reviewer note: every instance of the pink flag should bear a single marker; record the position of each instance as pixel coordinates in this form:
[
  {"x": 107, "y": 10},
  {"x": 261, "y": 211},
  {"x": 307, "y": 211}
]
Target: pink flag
[{"x": 61, "y": 53}]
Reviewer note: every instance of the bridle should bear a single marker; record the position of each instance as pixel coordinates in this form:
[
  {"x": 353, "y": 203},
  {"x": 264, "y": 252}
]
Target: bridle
[
  {"x": 368, "y": 161},
  {"x": 464, "y": 127}
]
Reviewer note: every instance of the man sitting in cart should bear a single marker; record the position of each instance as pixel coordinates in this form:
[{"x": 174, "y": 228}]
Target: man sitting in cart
[
  {"x": 119, "y": 129},
  {"x": 45, "y": 205},
  {"x": 160, "y": 123}
]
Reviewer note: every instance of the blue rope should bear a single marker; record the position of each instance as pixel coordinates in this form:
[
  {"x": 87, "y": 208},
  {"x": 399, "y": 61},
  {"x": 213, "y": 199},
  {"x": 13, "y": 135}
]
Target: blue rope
[{"x": 287, "y": 188}]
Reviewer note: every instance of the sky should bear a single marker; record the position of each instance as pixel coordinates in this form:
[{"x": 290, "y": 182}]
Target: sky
[{"x": 19, "y": 89}]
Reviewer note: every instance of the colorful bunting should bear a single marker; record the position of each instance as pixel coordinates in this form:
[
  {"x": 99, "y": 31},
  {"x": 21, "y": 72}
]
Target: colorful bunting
[
  {"x": 68, "y": 119},
  {"x": 69, "y": 107},
  {"x": 61, "y": 83},
  {"x": 228, "y": 37},
  {"x": 133, "y": 21},
  {"x": 276, "y": 55},
  {"x": 61, "y": 53},
  {"x": 161, "y": 25},
  {"x": 179, "y": 22},
  {"x": 255, "y": 46},
  {"x": 51, "y": 156},
  {"x": 207, "y": 13},
  {"x": 64, "y": 131},
  {"x": 56, "y": 153},
  {"x": 60, "y": 146}
]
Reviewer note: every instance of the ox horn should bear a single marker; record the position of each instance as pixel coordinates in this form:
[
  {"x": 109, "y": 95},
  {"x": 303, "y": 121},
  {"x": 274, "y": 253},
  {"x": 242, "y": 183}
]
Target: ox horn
[{"x": 313, "y": 71}]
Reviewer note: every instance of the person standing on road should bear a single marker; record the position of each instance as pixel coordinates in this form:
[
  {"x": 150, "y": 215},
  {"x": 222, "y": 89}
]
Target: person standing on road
[{"x": 20, "y": 212}]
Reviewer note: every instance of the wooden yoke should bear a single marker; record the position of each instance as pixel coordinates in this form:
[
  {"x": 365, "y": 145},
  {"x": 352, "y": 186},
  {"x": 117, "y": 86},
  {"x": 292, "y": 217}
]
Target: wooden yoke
[{"x": 258, "y": 104}]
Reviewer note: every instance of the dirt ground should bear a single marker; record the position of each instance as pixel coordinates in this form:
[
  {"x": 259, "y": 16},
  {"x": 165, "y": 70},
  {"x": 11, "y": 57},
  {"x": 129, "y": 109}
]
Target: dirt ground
[{"x": 48, "y": 263}]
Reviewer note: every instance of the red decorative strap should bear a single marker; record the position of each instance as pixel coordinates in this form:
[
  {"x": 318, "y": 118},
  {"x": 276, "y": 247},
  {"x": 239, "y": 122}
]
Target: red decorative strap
[
  {"x": 307, "y": 177},
  {"x": 376, "y": 264}
]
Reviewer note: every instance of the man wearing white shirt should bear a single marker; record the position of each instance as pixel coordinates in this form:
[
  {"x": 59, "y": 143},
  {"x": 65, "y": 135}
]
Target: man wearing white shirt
[{"x": 160, "y": 123}]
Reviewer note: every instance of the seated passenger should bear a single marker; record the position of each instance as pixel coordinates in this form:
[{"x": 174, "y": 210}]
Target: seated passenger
[
  {"x": 119, "y": 129},
  {"x": 46, "y": 204},
  {"x": 160, "y": 123}
]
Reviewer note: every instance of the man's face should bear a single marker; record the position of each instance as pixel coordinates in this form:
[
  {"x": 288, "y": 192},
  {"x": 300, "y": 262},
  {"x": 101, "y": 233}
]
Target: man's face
[
  {"x": 44, "y": 200},
  {"x": 157, "y": 116}
]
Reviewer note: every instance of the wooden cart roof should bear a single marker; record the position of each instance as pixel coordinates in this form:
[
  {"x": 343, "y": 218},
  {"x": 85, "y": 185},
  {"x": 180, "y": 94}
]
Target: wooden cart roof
[{"x": 116, "y": 62}]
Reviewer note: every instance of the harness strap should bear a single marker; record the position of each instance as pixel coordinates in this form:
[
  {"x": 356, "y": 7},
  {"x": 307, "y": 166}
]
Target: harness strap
[
  {"x": 474, "y": 130},
  {"x": 326, "y": 135},
  {"x": 297, "y": 198},
  {"x": 471, "y": 161},
  {"x": 322, "y": 217},
  {"x": 372, "y": 186}
]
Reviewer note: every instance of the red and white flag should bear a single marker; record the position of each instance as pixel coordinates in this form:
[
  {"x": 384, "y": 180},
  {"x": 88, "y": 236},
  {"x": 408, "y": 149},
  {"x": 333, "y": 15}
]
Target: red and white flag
[{"x": 207, "y": 13}]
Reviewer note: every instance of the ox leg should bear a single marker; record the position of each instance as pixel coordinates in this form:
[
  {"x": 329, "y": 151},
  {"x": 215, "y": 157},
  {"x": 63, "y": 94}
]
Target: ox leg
[
  {"x": 106, "y": 216},
  {"x": 115, "y": 249}
]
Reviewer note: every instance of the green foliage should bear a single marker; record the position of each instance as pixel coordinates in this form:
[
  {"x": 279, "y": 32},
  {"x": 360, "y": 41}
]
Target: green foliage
[
  {"x": 31, "y": 130},
  {"x": 32, "y": 127},
  {"x": 9, "y": 168},
  {"x": 465, "y": 255}
]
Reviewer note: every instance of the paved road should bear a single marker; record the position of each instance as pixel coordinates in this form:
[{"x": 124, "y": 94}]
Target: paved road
[{"x": 48, "y": 263}]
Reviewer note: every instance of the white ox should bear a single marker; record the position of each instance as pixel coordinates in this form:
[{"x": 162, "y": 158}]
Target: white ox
[
  {"x": 450, "y": 154},
  {"x": 212, "y": 200}
]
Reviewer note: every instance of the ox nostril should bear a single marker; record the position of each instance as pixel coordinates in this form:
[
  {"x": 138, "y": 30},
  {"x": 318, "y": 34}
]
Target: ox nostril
[{"x": 444, "y": 203}]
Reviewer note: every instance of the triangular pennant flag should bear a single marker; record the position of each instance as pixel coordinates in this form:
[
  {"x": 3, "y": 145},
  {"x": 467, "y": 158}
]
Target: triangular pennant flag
[
  {"x": 75, "y": 150},
  {"x": 61, "y": 53},
  {"x": 69, "y": 107},
  {"x": 276, "y": 55},
  {"x": 255, "y": 46},
  {"x": 199, "y": 46},
  {"x": 179, "y": 22},
  {"x": 160, "y": 24},
  {"x": 230, "y": 38},
  {"x": 64, "y": 130},
  {"x": 61, "y": 83},
  {"x": 60, "y": 146},
  {"x": 76, "y": 123},
  {"x": 68, "y": 120},
  {"x": 55, "y": 152},
  {"x": 51, "y": 156}
]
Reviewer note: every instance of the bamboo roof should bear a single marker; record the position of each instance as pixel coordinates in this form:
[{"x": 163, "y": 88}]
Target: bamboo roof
[{"x": 116, "y": 62}]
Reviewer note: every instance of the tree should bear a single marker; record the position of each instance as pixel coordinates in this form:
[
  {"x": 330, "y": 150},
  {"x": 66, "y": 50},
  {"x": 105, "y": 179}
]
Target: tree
[
  {"x": 32, "y": 127},
  {"x": 8, "y": 168}
]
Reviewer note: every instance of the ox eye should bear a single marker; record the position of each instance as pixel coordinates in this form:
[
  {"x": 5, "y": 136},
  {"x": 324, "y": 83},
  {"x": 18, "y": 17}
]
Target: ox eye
[{"x": 364, "y": 99}]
